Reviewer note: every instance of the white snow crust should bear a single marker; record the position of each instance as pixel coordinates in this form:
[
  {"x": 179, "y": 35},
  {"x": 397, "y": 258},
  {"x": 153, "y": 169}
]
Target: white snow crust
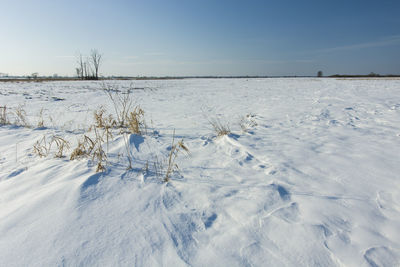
[{"x": 314, "y": 181}]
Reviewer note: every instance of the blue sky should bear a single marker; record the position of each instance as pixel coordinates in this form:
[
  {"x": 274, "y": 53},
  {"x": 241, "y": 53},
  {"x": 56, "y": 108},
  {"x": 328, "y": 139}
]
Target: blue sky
[{"x": 208, "y": 37}]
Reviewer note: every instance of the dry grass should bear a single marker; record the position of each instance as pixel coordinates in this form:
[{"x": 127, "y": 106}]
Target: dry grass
[
  {"x": 164, "y": 167},
  {"x": 41, "y": 121},
  {"x": 3, "y": 115},
  {"x": 20, "y": 116},
  {"x": 136, "y": 122},
  {"x": 92, "y": 148},
  {"x": 172, "y": 166},
  {"x": 61, "y": 144},
  {"x": 84, "y": 148},
  {"x": 220, "y": 128},
  {"x": 42, "y": 147},
  {"x": 103, "y": 130},
  {"x": 98, "y": 153},
  {"x": 247, "y": 122},
  {"x": 128, "y": 116},
  {"x": 122, "y": 103},
  {"x": 104, "y": 122}
]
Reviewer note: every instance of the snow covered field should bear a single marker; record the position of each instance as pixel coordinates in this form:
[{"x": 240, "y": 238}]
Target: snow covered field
[{"x": 314, "y": 181}]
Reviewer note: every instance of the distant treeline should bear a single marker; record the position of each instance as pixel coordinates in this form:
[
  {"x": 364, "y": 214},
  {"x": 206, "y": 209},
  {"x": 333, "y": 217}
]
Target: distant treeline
[
  {"x": 66, "y": 78},
  {"x": 371, "y": 75}
]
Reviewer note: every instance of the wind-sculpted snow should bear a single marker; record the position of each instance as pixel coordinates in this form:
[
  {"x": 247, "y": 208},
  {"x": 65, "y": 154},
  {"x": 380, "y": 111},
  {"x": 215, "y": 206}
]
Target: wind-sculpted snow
[{"x": 312, "y": 181}]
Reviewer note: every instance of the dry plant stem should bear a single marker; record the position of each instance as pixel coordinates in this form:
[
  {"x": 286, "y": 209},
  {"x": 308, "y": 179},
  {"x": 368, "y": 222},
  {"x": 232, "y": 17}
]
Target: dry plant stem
[
  {"x": 136, "y": 122},
  {"x": 3, "y": 115},
  {"x": 20, "y": 114},
  {"x": 98, "y": 117},
  {"x": 128, "y": 153},
  {"x": 61, "y": 144},
  {"x": 92, "y": 148},
  {"x": 158, "y": 167},
  {"x": 127, "y": 118},
  {"x": 108, "y": 133},
  {"x": 98, "y": 153},
  {"x": 52, "y": 122},
  {"x": 84, "y": 148},
  {"x": 170, "y": 166},
  {"x": 107, "y": 123},
  {"x": 41, "y": 121},
  {"x": 122, "y": 103},
  {"x": 41, "y": 148},
  {"x": 173, "y": 154}
]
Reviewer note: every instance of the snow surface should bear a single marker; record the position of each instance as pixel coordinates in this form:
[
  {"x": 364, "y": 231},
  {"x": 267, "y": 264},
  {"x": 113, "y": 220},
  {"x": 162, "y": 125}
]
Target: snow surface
[{"x": 313, "y": 182}]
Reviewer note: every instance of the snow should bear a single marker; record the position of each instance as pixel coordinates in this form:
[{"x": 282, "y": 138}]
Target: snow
[{"x": 314, "y": 181}]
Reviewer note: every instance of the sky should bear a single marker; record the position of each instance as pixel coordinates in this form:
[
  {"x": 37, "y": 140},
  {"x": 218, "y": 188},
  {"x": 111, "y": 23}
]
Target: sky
[{"x": 198, "y": 38}]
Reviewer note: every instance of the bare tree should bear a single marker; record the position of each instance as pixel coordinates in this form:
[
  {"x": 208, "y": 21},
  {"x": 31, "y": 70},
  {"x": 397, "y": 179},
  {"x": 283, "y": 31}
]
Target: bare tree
[
  {"x": 85, "y": 71},
  {"x": 78, "y": 72},
  {"x": 80, "y": 68},
  {"x": 88, "y": 67},
  {"x": 95, "y": 57}
]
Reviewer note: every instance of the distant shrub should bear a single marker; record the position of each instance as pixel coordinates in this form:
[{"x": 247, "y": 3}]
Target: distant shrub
[{"x": 373, "y": 74}]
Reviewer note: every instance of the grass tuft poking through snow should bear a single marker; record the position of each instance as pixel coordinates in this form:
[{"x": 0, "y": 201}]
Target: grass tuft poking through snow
[
  {"x": 219, "y": 127},
  {"x": 20, "y": 116},
  {"x": 40, "y": 123},
  {"x": 3, "y": 115},
  {"x": 62, "y": 146},
  {"x": 122, "y": 102},
  {"x": 176, "y": 148},
  {"x": 136, "y": 122},
  {"x": 42, "y": 147},
  {"x": 83, "y": 149}
]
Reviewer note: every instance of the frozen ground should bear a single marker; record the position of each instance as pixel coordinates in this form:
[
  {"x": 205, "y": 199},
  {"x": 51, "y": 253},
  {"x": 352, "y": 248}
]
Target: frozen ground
[{"x": 315, "y": 180}]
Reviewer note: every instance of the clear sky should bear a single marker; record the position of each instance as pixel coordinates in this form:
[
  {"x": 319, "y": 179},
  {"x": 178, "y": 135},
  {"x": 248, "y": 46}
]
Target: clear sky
[{"x": 201, "y": 37}]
